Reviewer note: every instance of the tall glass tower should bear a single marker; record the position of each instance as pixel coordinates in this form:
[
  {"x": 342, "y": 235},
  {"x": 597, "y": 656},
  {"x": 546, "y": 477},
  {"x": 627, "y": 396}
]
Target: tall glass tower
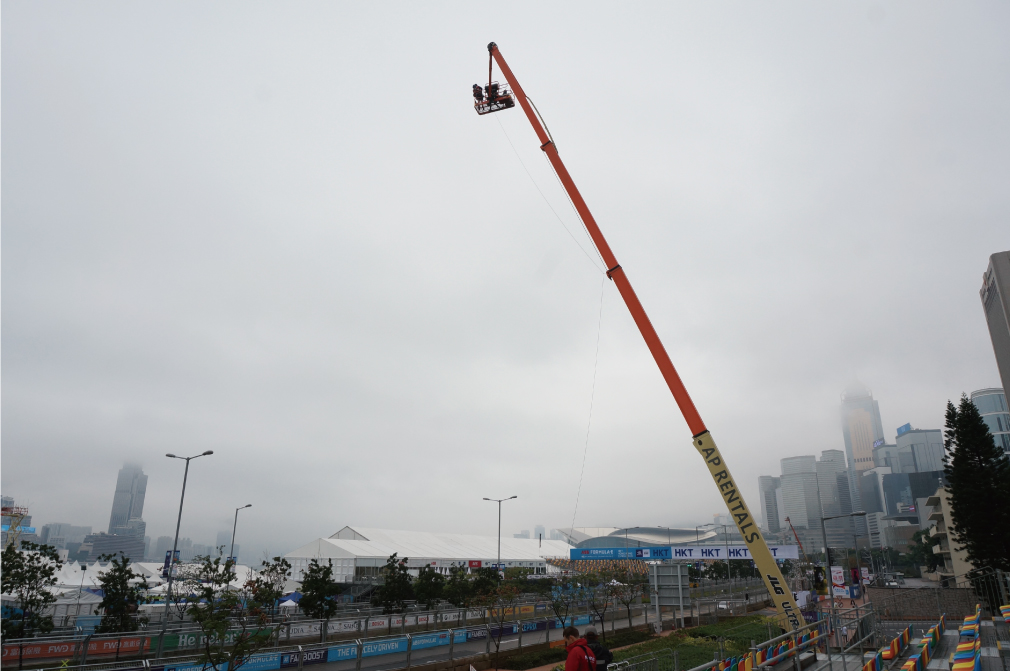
[
  {"x": 995, "y": 295},
  {"x": 862, "y": 430},
  {"x": 128, "y": 502},
  {"x": 991, "y": 404}
]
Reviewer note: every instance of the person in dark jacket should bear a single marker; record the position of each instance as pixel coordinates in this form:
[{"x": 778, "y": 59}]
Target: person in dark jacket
[
  {"x": 603, "y": 656},
  {"x": 580, "y": 657}
]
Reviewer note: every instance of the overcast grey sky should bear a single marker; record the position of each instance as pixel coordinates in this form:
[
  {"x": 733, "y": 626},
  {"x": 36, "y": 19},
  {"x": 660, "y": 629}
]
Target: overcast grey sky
[{"x": 280, "y": 231}]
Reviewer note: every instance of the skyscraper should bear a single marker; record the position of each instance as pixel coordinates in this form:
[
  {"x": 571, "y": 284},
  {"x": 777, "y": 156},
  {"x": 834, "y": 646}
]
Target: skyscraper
[
  {"x": 995, "y": 295},
  {"x": 800, "y": 504},
  {"x": 128, "y": 502},
  {"x": 832, "y": 478},
  {"x": 861, "y": 426},
  {"x": 769, "y": 487},
  {"x": 991, "y": 404},
  {"x": 862, "y": 431},
  {"x": 918, "y": 450}
]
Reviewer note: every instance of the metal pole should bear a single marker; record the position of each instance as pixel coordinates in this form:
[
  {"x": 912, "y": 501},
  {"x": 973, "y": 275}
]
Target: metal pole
[
  {"x": 498, "y": 566},
  {"x": 171, "y": 559},
  {"x": 231, "y": 552},
  {"x": 84, "y": 568}
]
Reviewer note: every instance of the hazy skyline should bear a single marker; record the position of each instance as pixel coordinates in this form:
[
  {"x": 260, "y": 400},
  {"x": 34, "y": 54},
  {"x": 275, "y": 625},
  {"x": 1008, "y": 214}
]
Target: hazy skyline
[{"x": 280, "y": 231}]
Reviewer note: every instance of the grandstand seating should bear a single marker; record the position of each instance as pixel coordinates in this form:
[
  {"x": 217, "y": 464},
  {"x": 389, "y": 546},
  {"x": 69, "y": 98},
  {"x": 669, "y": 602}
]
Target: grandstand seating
[
  {"x": 875, "y": 664},
  {"x": 897, "y": 645},
  {"x": 633, "y": 566},
  {"x": 971, "y": 623},
  {"x": 927, "y": 646}
]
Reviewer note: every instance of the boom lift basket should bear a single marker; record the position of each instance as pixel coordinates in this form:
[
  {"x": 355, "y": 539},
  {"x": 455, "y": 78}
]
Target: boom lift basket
[{"x": 494, "y": 97}]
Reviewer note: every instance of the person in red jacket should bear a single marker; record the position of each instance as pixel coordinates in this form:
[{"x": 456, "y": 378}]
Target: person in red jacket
[{"x": 580, "y": 657}]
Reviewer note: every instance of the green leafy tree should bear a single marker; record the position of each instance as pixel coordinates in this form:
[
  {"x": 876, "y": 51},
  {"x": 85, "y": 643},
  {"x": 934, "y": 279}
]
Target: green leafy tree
[
  {"x": 123, "y": 595},
  {"x": 978, "y": 474},
  {"x": 319, "y": 593},
  {"x": 396, "y": 588},
  {"x": 235, "y": 620},
  {"x": 921, "y": 550},
  {"x": 458, "y": 588},
  {"x": 428, "y": 587},
  {"x": 29, "y": 573},
  {"x": 486, "y": 580}
]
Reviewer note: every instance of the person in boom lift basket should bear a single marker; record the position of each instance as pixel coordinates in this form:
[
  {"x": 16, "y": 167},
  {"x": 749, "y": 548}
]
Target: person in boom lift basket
[
  {"x": 580, "y": 657},
  {"x": 478, "y": 93}
]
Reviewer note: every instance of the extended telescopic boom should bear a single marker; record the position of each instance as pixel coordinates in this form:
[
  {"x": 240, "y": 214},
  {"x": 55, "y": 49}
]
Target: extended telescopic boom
[{"x": 703, "y": 442}]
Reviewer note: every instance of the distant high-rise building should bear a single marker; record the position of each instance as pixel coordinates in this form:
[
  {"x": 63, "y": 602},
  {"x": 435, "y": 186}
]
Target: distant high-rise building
[
  {"x": 995, "y": 295},
  {"x": 161, "y": 546},
  {"x": 862, "y": 431},
  {"x": 539, "y": 531},
  {"x": 525, "y": 533},
  {"x": 97, "y": 545},
  {"x": 991, "y": 404},
  {"x": 832, "y": 476},
  {"x": 557, "y": 535},
  {"x": 861, "y": 426},
  {"x": 128, "y": 502},
  {"x": 918, "y": 451},
  {"x": 770, "y": 488},
  {"x": 800, "y": 502},
  {"x": 59, "y": 534}
]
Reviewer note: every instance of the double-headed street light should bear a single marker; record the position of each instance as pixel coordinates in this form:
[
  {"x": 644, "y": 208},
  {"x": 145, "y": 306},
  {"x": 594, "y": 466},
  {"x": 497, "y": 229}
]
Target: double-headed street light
[
  {"x": 499, "y": 501},
  {"x": 175, "y": 545},
  {"x": 231, "y": 552}
]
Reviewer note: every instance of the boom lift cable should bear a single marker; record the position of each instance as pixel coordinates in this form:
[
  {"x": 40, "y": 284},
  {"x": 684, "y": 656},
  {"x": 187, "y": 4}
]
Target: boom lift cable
[
  {"x": 592, "y": 398},
  {"x": 540, "y": 191}
]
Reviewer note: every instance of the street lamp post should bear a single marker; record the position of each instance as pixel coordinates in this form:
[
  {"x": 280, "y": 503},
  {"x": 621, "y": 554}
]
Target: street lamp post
[
  {"x": 175, "y": 544},
  {"x": 499, "y": 502},
  {"x": 827, "y": 567},
  {"x": 231, "y": 552},
  {"x": 84, "y": 568}
]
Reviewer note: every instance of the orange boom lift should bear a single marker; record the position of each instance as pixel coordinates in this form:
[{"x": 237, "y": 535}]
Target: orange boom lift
[{"x": 494, "y": 98}]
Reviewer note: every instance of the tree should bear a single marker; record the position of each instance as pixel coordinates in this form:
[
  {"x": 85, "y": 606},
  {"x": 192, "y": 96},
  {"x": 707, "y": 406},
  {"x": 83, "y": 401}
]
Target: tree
[
  {"x": 121, "y": 600},
  {"x": 628, "y": 591},
  {"x": 500, "y": 602},
  {"x": 29, "y": 573},
  {"x": 978, "y": 475},
  {"x": 598, "y": 588},
  {"x": 428, "y": 586},
  {"x": 920, "y": 550},
  {"x": 458, "y": 588},
  {"x": 565, "y": 593},
  {"x": 236, "y": 621},
  {"x": 396, "y": 588},
  {"x": 319, "y": 593},
  {"x": 486, "y": 579}
]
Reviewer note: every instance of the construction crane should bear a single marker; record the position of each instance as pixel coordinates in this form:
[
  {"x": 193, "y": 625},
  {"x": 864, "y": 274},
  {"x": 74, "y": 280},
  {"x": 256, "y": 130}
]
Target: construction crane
[
  {"x": 495, "y": 98},
  {"x": 797, "y": 537}
]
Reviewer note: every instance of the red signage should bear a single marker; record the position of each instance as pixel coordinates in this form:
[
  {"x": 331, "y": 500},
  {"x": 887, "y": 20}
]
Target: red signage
[
  {"x": 474, "y": 563},
  {"x": 69, "y": 648}
]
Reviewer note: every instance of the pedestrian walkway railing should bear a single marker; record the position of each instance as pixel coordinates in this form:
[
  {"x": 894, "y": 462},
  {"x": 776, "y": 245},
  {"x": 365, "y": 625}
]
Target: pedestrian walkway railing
[{"x": 447, "y": 642}]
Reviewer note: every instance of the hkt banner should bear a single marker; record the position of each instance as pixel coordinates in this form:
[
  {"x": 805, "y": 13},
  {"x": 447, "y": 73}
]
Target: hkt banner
[{"x": 686, "y": 552}]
